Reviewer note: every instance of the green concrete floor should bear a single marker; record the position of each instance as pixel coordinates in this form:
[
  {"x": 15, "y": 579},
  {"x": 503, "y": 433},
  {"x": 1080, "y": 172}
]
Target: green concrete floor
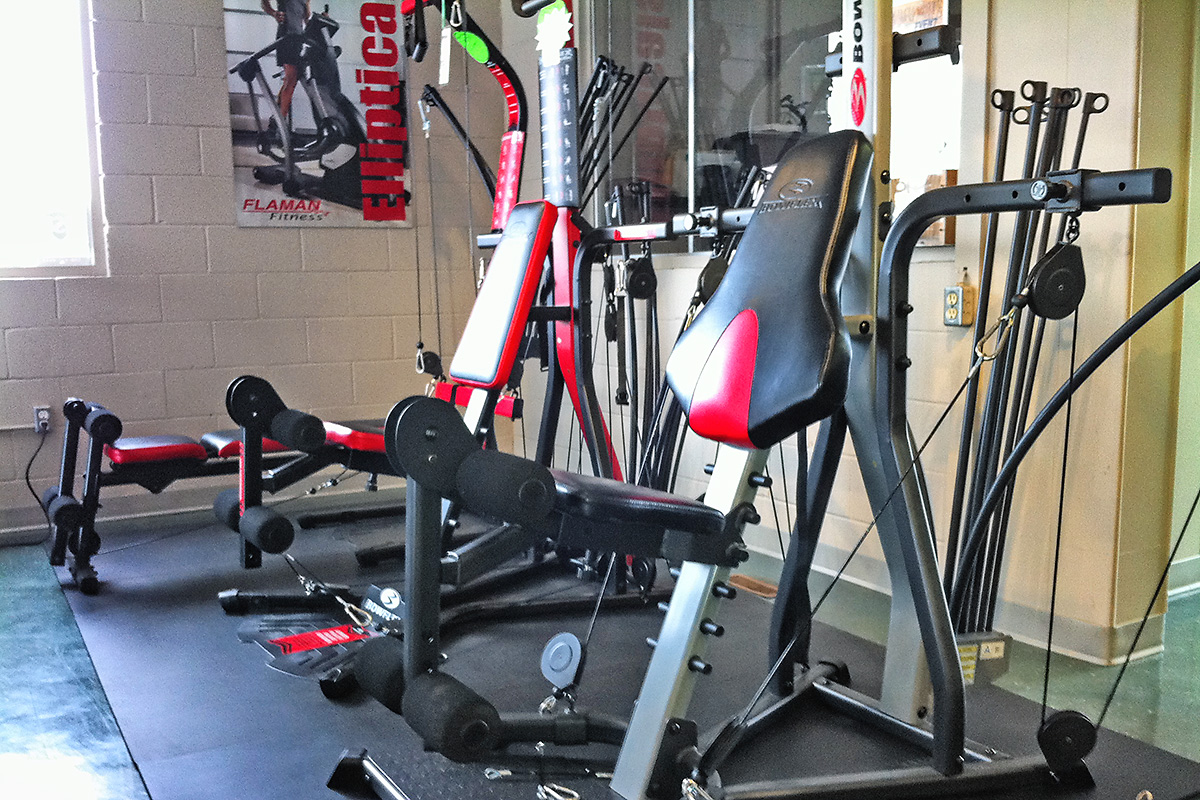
[{"x": 58, "y": 736}]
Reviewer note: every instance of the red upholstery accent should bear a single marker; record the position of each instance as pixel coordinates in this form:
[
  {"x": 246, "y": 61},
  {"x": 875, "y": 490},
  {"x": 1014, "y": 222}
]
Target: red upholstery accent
[
  {"x": 450, "y": 393},
  {"x": 144, "y": 449},
  {"x": 367, "y": 438},
  {"x": 720, "y": 408},
  {"x": 506, "y": 405}
]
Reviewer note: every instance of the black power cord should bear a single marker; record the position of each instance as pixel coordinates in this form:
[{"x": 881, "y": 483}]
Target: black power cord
[{"x": 42, "y": 437}]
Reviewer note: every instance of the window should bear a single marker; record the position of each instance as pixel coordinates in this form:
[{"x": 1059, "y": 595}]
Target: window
[
  {"x": 47, "y": 223},
  {"x": 757, "y": 84}
]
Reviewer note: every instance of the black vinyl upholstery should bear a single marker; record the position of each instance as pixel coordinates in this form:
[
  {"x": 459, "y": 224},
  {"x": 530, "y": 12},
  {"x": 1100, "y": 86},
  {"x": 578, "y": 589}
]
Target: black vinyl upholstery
[
  {"x": 769, "y": 353},
  {"x": 604, "y": 500}
]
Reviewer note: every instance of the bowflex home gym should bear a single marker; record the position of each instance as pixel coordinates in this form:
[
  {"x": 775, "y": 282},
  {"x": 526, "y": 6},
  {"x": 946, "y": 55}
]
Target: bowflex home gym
[{"x": 817, "y": 426}]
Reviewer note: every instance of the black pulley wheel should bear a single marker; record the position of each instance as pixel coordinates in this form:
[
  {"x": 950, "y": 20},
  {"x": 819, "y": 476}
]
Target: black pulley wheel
[
  {"x": 1057, "y": 284},
  {"x": 1066, "y": 738},
  {"x": 645, "y": 571}
]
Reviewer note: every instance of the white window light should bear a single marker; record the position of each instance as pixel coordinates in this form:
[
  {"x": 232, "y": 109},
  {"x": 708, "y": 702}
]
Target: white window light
[{"x": 47, "y": 220}]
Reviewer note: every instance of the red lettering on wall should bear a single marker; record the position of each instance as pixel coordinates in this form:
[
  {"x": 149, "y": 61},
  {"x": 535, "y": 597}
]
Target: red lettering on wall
[{"x": 379, "y": 17}]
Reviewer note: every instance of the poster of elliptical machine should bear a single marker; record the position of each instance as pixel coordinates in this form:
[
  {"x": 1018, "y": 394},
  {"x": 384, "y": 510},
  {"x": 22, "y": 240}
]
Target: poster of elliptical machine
[{"x": 318, "y": 111}]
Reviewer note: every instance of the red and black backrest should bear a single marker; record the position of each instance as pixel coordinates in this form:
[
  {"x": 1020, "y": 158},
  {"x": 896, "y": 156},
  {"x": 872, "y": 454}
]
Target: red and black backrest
[
  {"x": 488, "y": 347},
  {"x": 769, "y": 353}
]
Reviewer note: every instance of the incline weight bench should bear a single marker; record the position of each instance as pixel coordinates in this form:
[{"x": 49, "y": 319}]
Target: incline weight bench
[{"x": 792, "y": 255}]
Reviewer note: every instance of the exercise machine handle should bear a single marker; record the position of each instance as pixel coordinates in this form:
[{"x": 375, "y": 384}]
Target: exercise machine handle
[{"x": 527, "y": 8}]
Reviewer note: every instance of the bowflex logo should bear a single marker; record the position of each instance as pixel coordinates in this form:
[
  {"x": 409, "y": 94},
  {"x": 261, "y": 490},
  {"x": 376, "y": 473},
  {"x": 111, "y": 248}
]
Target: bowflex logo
[
  {"x": 796, "y": 195},
  {"x": 858, "y": 97},
  {"x": 796, "y": 188}
]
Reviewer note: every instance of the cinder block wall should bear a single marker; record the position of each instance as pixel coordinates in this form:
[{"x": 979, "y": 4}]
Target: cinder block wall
[{"x": 191, "y": 301}]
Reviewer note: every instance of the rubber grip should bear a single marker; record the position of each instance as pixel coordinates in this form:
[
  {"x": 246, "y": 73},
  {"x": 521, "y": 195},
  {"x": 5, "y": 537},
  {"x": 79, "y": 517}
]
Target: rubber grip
[
  {"x": 298, "y": 430},
  {"x": 227, "y": 508},
  {"x": 506, "y": 486},
  {"x": 451, "y": 718},
  {"x": 102, "y": 425},
  {"x": 379, "y": 669},
  {"x": 268, "y": 530}
]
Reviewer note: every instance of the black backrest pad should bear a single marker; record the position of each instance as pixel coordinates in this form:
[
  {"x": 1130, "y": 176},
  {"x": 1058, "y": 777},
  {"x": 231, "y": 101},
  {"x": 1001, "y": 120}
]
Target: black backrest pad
[
  {"x": 769, "y": 353},
  {"x": 489, "y": 343}
]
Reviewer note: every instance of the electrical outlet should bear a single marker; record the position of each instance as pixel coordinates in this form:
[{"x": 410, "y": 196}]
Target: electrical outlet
[
  {"x": 958, "y": 305},
  {"x": 41, "y": 419}
]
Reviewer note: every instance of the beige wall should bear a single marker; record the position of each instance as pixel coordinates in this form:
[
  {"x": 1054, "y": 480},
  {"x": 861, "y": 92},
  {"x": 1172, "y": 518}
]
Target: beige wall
[{"x": 192, "y": 301}]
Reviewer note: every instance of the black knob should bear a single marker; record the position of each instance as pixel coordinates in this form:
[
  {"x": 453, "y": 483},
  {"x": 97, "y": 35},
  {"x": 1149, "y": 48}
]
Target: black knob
[
  {"x": 711, "y": 628},
  {"x": 696, "y": 664},
  {"x": 724, "y": 590}
]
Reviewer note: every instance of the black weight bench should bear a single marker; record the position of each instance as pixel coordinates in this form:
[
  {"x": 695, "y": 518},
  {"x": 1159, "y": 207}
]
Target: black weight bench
[
  {"x": 152, "y": 462},
  {"x": 751, "y": 370}
]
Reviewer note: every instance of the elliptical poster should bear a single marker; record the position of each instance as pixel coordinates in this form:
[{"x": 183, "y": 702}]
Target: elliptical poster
[{"x": 319, "y": 114}]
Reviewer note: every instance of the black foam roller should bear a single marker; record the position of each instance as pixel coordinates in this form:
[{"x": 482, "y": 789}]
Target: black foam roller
[
  {"x": 451, "y": 718},
  {"x": 379, "y": 670},
  {"x": 49, "y": 497},
  {"x": 65, "y": 512},
  {"x": 269, "y": 530},
  {"x": 102, "y": 425},
  {"x": 298, "y": 430},
  {"x": 505, "y": 486},
  {"x": 227, "y": 508}
]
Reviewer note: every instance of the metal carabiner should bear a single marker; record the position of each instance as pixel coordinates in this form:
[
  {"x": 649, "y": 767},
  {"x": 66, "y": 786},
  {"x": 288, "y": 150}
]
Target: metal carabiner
[
  {"x": 456, "y": 15},
  {"x": 555, "y": 791},
  {"x": 1003, "y": 325},
  {"x": 360, "y": 618},
  {"x": 692, "y": 790},
  {"x": 423, "y": 110}
]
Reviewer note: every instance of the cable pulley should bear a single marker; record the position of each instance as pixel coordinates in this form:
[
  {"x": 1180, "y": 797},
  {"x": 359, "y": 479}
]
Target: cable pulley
[
  {"x": 640, "y": 280},
  {"x": 1056, "y": 283}
]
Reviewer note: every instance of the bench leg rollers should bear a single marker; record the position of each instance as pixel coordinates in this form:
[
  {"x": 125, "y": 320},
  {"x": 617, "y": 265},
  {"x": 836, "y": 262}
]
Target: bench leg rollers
[
  {"x": 451, "y": 718},
  {"x": 268, "y": 530},
  {"x": 227, "y": 508},
  {"x": 379, "y": 670}
]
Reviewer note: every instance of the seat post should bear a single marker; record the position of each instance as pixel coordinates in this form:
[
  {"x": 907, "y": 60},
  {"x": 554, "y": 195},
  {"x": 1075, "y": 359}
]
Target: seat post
[
  {"x": 667, "y": 688},
  {"x": 422, "y": 578}
]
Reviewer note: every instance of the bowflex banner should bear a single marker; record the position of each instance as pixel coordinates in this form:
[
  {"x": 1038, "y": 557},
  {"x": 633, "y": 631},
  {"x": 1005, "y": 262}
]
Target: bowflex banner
[{"x": 319, "y": 113}]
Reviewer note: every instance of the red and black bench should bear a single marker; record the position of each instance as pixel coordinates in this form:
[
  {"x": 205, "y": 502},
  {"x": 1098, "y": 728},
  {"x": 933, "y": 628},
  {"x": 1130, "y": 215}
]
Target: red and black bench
[{"x": 152, "y": 462}]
